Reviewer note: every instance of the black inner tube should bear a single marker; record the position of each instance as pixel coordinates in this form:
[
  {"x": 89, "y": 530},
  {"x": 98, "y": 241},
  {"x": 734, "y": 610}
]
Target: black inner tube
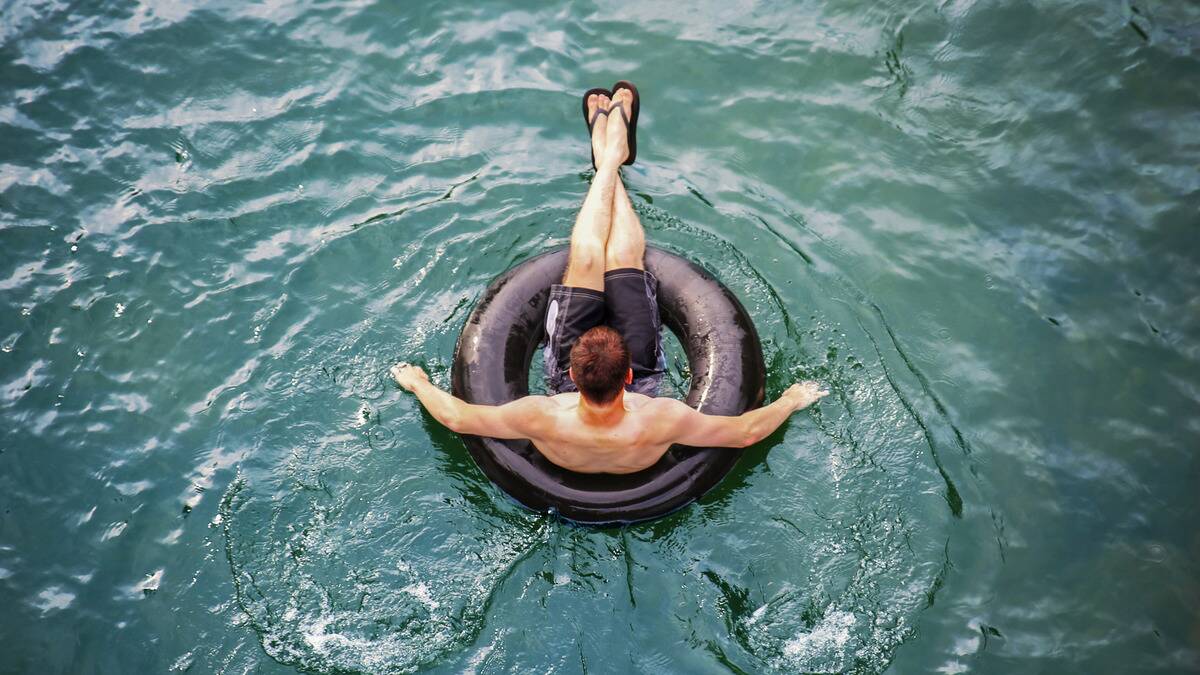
[{"x": 491, "y": 366}]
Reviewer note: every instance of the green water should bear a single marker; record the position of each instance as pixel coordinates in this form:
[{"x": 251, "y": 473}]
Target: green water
[{"x": 221, "y": 222}]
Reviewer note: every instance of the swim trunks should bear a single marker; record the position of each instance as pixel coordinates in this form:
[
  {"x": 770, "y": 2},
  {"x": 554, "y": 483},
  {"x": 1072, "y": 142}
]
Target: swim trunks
[{"x": 629, "y": 304}]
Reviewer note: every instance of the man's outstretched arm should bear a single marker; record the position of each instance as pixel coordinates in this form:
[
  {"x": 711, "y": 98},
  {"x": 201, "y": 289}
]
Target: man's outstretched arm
[
  {"x": 517, "y": 419},
  {"x": 696, "y": 428}
]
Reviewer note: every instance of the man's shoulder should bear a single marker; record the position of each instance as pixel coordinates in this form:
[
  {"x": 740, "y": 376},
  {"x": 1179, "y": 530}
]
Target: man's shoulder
[
  {"x": 532, "y": 414},
  {"x": 546, "y": 407},
  {"x": 661, "y": 411},
  {"x": 660, "y": 403},
  {"x": 564, "y": 400},
  {"x": 537, "y": 404}
]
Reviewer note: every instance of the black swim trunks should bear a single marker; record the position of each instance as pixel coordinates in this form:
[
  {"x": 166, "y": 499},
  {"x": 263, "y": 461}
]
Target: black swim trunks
[{"x": 629, "y": 304}]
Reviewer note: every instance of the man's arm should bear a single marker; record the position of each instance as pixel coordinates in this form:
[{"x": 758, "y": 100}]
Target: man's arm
[
  {"x": 696, "y": 428},
  {"x": 517, "y": 419}
]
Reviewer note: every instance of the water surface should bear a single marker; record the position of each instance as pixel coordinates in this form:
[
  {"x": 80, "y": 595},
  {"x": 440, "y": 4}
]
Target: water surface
[{"x": 220, "y": 223}]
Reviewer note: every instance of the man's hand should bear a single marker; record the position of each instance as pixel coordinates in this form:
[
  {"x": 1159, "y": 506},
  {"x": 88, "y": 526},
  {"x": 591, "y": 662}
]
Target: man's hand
[
  {"x": 408, "y": 375},
  {"x": 804, "y": 394}
]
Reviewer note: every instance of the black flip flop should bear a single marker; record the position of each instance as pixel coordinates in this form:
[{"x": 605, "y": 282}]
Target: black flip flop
[
  {"x": 631, "y": 117},
  {"x": 592, "y": 122}
]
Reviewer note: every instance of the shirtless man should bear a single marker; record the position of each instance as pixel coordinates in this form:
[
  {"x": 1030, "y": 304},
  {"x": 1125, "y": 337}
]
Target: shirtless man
[{"x": 593, "y": 424}]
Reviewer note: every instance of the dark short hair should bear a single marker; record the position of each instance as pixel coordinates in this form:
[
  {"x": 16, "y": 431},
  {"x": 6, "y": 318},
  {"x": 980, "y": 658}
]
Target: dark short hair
[{"x": 599, "y": 362}]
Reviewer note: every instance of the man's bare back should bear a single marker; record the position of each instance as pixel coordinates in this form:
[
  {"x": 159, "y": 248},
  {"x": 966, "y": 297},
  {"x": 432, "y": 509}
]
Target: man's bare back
[{"x": 624, "y": 445}]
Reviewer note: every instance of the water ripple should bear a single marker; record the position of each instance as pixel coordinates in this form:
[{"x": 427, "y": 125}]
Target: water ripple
[{"x": 221, "y": 223}]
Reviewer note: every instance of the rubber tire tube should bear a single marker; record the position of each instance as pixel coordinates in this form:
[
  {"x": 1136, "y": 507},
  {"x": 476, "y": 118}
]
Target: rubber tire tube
[{"x": 491, "y": 367}]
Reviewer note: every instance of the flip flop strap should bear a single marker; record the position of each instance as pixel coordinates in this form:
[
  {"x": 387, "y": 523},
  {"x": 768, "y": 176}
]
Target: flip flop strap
[
  {"x": 621, "y": 107},
  {"x": 598, "y": 113}
]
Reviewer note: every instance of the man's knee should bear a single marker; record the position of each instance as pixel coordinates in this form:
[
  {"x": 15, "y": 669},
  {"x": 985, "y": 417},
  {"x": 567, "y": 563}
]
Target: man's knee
[
  {"x": 624, "y": 256},
  {"x": 585, "y": 260}
]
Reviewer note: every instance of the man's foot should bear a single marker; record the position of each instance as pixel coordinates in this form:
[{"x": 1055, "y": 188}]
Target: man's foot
[
  {"x": 616, "y": 142},
  {"x": 599, "y": 129}
]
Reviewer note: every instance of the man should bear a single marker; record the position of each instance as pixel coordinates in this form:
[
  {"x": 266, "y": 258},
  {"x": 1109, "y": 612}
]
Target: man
[{"x": 592, "y": 424}]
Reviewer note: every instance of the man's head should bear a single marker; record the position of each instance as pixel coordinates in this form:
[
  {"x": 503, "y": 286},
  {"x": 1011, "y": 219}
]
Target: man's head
[{"x": 600, "y": 365}]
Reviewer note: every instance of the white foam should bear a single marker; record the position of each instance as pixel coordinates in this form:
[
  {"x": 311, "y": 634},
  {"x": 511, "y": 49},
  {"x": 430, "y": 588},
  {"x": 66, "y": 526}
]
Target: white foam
[
  {"x": 421, "y": 592},
  {"x": 825, "y": 641},
  {"x": 318, "y": 639}
]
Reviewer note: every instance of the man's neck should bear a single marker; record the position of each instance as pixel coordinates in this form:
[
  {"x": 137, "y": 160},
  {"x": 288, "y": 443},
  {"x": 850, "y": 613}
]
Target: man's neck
[{"x": 602, "y": 415}]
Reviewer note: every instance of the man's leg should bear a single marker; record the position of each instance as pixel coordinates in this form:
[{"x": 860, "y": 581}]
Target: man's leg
[
  {"x": 577, "y": 304},
  {"x": 626, "y": 241},
  {"x": 585, "y": 264},
  {"x": 630, "y": 292}
]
